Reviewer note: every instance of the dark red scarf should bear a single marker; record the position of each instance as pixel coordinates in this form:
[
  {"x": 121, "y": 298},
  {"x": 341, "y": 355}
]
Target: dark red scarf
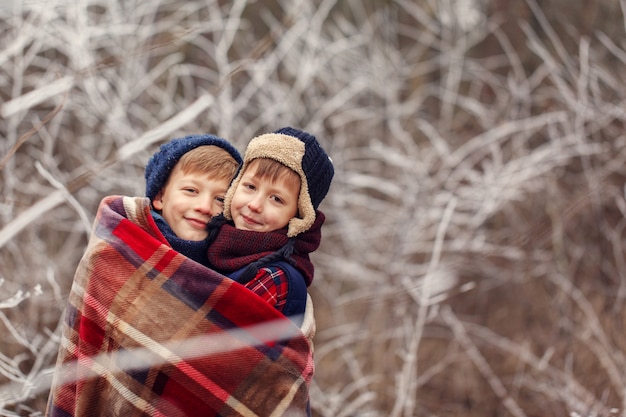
[{"x": 234, "y": 249}]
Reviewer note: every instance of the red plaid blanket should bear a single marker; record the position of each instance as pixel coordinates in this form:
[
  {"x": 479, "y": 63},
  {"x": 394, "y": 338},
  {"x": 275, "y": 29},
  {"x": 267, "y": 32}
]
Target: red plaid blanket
[{"x": 149, "y": 332}]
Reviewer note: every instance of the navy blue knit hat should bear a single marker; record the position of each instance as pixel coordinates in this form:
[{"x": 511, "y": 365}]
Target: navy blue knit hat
[
  {"x": 299, "y": 151},
  {"x": 161, "y": 163}
]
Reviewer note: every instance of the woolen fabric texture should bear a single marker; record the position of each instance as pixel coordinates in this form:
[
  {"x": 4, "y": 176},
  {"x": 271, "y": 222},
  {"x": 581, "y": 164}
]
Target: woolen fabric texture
[
  {"x": 234, "y": 249},
  {"x": 161, "y": 163},
  {"x": 148, "y": 332}
]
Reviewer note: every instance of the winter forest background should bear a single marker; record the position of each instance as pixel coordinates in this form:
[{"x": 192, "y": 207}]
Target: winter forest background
[{"x": 473, "y": 260}]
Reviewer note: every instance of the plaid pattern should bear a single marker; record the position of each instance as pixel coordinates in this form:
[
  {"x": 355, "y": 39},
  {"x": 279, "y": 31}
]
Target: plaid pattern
[
  {"x": 271, "y": 284},
  {"x": 149, "y": 332}
]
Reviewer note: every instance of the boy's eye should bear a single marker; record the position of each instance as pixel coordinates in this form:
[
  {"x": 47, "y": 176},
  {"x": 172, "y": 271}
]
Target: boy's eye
[
  {"x": 220, "y": 199},
  {"x": 277, "y": 199}
]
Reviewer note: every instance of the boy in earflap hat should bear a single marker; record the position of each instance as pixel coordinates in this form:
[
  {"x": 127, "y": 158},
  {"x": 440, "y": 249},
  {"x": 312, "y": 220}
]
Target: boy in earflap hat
[{"x": 271, "y": 222}]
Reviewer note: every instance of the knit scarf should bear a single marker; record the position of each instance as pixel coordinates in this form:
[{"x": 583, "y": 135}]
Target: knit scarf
[{"x": 234, "y": 249}]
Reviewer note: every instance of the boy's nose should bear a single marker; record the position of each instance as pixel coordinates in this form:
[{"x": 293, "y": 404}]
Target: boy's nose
[
  {"x": 205, "y": 205},
  {"x": 255, "y": 204}
]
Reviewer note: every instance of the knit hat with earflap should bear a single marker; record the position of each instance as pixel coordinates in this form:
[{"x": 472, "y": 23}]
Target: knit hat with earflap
[
  {"x": 300, "y": 152},
  {"x": 161, "y": 164}
]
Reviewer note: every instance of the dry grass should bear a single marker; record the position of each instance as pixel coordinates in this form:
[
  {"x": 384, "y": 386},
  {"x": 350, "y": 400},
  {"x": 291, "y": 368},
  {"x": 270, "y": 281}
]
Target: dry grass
[{"x": 473, "y": 260}]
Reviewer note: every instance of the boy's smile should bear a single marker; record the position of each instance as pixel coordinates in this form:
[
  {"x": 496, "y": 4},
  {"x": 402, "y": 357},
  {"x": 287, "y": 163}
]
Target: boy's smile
[
  {"x": 250, "y": 221},
  {"x": 189, "y": 201}
]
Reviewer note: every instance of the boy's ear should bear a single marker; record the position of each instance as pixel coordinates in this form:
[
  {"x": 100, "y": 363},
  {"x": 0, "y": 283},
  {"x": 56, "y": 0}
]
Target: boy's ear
[{"x": 157, "y": 203}]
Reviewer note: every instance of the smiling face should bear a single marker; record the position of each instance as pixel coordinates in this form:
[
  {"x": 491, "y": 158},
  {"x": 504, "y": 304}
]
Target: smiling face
[
  {"x": 265, "y": 199},
  {"x": 189, "y": 200}
]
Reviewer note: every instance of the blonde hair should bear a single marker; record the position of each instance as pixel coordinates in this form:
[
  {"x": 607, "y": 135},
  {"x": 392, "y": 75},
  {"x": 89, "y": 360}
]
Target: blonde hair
[
  {"x": 271, "y": 170},
  {"x": 211, "y": 160}
]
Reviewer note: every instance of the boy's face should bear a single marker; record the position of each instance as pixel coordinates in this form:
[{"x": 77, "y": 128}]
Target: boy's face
[
  {"x": 188, "y": 201},
  {"x": 261, "y": 205}
]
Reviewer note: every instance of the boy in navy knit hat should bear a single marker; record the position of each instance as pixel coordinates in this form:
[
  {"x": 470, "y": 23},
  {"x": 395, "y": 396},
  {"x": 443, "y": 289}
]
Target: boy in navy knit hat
[
  {"x": 271, "y": 222},
  {"x": 186, "y": 182}
]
